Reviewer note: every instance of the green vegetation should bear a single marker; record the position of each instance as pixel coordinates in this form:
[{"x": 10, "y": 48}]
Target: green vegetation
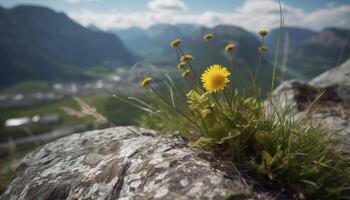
[
  {"x": 117, "y": 112},
  {"x": 279, "y": 150},
  {"x": 27, "y": 86},
  {"x": 98, "y": 72},
  {"x": 70, "y": 52}
]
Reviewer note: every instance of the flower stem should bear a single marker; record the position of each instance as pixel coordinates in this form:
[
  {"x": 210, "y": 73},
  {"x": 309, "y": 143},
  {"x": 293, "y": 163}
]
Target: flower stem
[
  {"x": 229, "y": 101},
  {"x": 233, "y": 73},
  {"x": 258, "y": 66},
  {"x": 217, "y": 102},
  {"x": 175, "y": 109},
  {"x": 189, "y": 63}
]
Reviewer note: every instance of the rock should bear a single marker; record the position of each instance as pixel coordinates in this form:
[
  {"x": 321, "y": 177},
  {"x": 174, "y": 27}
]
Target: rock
[
  {"x": 338, "y": 75},
  {"x": 337, "y": 78},
  {"x": 332, "y": 109},
  {"x": 120, "y": 163}
]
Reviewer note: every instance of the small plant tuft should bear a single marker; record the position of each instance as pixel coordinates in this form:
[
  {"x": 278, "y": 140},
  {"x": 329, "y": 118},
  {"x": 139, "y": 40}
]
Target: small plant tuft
[{"x": 278, "y": 149}]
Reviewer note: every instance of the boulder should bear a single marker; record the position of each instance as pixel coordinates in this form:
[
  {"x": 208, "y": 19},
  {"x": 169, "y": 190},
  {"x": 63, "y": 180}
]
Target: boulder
[{"x": 120, "y": 163}]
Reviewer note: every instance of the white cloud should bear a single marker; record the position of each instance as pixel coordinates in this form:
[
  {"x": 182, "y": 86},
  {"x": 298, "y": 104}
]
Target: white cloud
[
  {"x": 166, "y": 5},
  {"x": 73, "y": 1},
  {"x": 252, "y": 15},
  {"x": 79, "y": 1}
]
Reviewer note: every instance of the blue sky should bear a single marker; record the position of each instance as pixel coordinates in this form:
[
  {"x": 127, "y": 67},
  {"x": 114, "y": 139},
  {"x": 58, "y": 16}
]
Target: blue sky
[{"x": 250, "y": 14}]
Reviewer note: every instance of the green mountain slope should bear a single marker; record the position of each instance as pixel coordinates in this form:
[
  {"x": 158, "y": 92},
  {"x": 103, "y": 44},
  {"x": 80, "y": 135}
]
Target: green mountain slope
[
  {"x": 296, "y": 36},
  {"x": 321, "y": 52},
  {"x": 37, "y": 43}
]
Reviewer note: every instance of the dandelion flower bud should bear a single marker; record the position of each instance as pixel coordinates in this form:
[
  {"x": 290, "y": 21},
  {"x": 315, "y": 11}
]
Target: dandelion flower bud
[
  {"x": 181, "y": 65},
  {"x": 185, "y": 73},
  {"x": 263, "y": 49},
  {"x": 230, "y": 47},
  {"x": 208, "y": 36},
  {"x": 263, "y": 32},
  {"x": 187, "y": 57},
  {"x": 146, "y": 81},
  {"x": 175, "y": 43}
]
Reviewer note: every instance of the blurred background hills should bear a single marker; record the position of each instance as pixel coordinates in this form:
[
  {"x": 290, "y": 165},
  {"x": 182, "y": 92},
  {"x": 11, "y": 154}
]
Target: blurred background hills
[{"x": 37, "y": 43}]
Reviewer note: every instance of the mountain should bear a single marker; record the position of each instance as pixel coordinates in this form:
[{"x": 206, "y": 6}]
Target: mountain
[
  {"x": 136, "y": 40},
  {"x": 151, "y": 41},
  {"x": 168, "y": 31},
  {"x": 93, "y": 28},
  {"x": 37, "y": 43},
  {"x": 296, "y": 36},
  {"x": 321, "y": 51}
]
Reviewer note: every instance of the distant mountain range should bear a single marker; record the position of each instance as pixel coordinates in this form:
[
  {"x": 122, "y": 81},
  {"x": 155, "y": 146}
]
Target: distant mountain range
[
  {"x": 308, "y": 54},
  {"x": 37, "y": 43},
  {"x": 322, "y": 51}
]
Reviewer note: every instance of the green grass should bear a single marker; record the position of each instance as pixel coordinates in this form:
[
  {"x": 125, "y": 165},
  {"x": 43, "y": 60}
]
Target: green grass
[
  {"x": 26, "y": 87},
  {"x": 278, "y": 150},
  {"x": 117, "y": 112},
  {"x": 98, "y": 72}
]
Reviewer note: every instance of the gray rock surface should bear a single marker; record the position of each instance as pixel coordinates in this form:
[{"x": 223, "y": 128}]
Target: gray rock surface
[{"x": 119, "y": 163}]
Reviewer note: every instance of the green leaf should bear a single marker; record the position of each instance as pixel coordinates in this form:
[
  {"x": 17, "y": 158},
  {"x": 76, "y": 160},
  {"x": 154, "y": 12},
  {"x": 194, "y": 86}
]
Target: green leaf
[
  {"x": 202, "y": 141},
  {"x": 231, "y": 134},
  {"x": 263, "y": 138}
]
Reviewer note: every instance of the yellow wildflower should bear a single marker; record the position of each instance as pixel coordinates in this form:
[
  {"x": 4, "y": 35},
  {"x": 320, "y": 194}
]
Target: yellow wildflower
[
  {"x": 187, "y": 57},
  {"x": 263, "y": 32},
  {"x": 185, "y": 73},
  {"x": 263, "y": 49},
  {"x": 181, "y": 65},
  {"x": 175, "y": 43},
  {"x": 208, "y": 36},
  {"x": 230, "y": 47},
  {"x": 215, "y": 78},
  {"x": 146, "y": 81}
]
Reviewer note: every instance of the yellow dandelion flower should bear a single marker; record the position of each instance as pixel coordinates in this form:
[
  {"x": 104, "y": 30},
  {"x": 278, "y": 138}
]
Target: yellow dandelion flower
[
  {"x": 146, "y": 81},
  {"x": 181, "y": 65},
  {"x": 215, "y": 78},
  {"x": 230, "y": 47},
  {"x": 175, "y": 43},
  {"x": 185, "y": 73},
  {"x": 263, "y": 49},
  {"x": 187, "y": 57},
  {"x": 208, "y": 36},
  {"x": 263, "y": 32}
]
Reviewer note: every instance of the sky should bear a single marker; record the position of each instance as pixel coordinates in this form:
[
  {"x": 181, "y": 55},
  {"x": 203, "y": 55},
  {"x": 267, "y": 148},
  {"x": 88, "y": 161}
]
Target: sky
[{"x": 249, "y": 14}]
